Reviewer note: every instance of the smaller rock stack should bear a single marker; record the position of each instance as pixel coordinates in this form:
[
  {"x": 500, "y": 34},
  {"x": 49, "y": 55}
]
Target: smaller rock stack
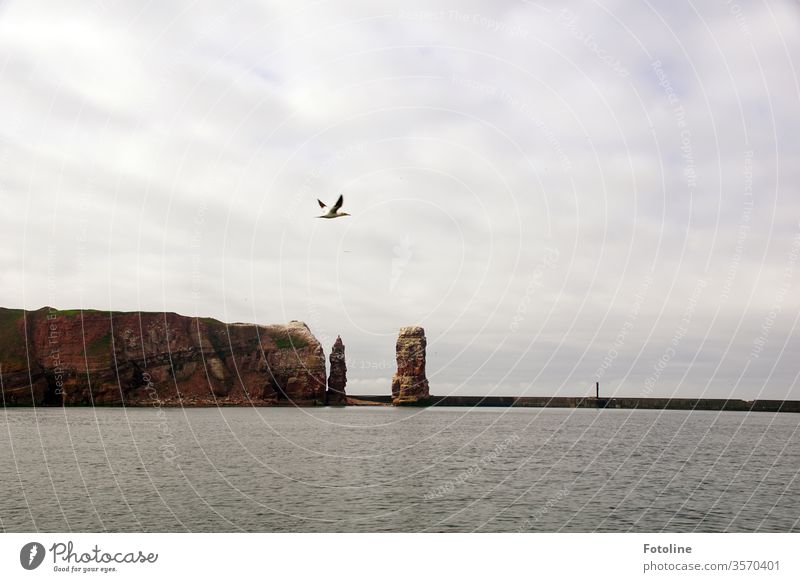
[
  {"x": 409, "y": 384},
  {"x": 337, "y": 380}
]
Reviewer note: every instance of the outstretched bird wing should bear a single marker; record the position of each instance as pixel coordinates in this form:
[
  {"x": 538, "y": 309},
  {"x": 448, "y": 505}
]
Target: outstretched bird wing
[
  {"x": 321, "y": 203},
  {"x": 338, "y": 204}
]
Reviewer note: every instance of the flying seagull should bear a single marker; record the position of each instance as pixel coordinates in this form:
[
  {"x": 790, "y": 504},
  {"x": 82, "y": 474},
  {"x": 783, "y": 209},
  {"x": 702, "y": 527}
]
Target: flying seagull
[{"x": 333, "y": 211}]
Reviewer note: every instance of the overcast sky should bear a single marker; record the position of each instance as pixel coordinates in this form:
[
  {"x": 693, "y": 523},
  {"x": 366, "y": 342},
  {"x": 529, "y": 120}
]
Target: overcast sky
[{"x": 598, "y": 190}]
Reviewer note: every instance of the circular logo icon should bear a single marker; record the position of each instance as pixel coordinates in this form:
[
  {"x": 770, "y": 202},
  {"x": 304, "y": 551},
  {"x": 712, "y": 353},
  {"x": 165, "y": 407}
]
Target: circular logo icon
[{"x": 31, "y": 555}]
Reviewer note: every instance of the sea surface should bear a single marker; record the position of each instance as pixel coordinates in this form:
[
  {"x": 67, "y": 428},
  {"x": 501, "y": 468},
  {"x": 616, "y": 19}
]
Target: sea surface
[{"x": 380, "y": 469}]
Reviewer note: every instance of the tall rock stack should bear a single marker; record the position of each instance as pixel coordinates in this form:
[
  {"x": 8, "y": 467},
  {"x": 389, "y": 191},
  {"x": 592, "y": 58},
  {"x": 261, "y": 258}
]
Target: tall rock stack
[
  {"x": 336, "y": 396},
  {"x": 409, "y": 383}
]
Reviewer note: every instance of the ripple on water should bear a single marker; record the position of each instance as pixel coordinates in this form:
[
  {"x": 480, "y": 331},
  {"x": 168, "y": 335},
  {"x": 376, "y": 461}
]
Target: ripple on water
[{"x": 382, "y": 469}]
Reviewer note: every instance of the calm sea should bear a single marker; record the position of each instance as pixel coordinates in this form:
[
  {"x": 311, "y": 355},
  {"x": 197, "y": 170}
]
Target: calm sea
[{"x": 385, "y": 469}]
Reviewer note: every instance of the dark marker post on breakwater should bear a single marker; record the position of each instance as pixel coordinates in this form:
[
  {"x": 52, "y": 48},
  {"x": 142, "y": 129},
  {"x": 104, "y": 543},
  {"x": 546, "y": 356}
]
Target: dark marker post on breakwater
[{"x": 597, "y": 402}]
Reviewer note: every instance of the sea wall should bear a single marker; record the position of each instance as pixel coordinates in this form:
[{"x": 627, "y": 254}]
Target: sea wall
[{"x": 580, "y": 402}]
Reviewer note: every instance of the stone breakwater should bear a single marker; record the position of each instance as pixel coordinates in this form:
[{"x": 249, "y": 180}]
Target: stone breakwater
[
  {"x": 53, "y": 357},
  {"x": 714, "y": 404}
]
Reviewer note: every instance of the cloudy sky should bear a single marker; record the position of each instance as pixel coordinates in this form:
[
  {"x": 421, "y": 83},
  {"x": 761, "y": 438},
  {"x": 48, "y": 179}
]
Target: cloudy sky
[{"x": 598, "y": 190}]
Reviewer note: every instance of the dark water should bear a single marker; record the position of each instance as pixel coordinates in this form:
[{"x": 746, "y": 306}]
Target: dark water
[{"x": 384, "y": 469}]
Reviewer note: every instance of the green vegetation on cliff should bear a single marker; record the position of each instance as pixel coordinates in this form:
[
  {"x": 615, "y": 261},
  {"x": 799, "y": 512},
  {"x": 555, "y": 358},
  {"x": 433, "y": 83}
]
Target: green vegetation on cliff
[{"x": 12, "y": 340}]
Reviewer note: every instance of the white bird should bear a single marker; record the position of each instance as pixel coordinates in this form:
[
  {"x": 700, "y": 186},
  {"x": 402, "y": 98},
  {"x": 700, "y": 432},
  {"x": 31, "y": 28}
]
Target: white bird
[{"x": 333, "y": 211}]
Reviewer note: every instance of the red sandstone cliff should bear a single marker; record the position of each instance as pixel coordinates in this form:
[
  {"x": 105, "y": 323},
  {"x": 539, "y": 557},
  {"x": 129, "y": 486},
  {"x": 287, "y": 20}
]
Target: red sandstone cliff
[
  {"x": 50, "y": 357},
  {"x": 337, "y": 381},
  {"x": 409, "y": 383}
]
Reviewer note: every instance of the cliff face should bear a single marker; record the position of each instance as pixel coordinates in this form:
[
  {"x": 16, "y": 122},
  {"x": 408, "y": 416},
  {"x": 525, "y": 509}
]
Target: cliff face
[
  {"x": 51, "y": 357},
  {"x": 337, "y": 380},
  {"x": 410, "y": 383}
]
